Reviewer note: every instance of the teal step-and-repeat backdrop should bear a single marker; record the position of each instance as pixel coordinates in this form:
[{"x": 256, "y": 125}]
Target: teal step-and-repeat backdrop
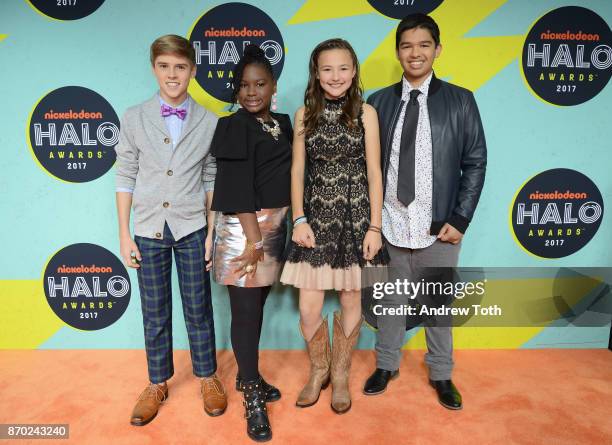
[{"x": 539, "y": 70}]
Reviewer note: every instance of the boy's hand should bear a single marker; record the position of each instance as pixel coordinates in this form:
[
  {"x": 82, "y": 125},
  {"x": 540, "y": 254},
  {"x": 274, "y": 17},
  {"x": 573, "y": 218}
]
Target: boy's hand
[
  {"x": 208, "y": 249},
  {"x": 449, "y": 234},
  {"x": 129, "y": 252}
]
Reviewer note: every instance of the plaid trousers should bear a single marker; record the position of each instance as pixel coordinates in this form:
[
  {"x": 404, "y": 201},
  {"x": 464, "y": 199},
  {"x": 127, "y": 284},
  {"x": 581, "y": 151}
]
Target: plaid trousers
[{"x": 154, "y": 280}]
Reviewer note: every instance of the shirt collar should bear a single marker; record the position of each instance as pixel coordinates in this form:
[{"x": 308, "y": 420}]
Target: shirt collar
[
  {"x": 185, "y": 104},
  {"x": 407, "y": 88}
]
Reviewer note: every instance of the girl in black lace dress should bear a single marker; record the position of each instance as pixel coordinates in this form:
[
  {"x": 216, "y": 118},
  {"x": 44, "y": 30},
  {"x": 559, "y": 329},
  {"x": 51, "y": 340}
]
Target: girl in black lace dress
[{"x": 337, "y": 214}]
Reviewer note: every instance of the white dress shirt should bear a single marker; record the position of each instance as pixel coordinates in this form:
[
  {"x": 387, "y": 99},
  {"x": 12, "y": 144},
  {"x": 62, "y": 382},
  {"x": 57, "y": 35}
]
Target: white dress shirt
[{"x": 408, "y": 226}]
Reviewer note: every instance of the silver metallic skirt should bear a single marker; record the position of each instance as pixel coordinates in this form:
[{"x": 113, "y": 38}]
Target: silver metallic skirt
[{"x": 230, "y": 242}]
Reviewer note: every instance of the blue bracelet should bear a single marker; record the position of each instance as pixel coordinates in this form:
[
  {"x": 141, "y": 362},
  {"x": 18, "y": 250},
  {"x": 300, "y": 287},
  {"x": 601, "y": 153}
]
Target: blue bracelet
[{"x": 300, "y": 220}]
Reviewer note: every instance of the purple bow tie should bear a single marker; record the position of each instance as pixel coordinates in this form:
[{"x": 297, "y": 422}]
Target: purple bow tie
[{"x": 167, "y": 110}]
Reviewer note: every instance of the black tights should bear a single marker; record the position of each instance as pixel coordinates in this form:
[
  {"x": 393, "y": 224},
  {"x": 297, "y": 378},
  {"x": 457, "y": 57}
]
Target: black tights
[{"x": 247, "y": 304}]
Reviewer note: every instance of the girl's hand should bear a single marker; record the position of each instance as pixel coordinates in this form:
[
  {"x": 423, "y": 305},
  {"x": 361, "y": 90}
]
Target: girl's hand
[
  {"x": 372, "y": 243},
  {"x": 303, "y": 235},
  {"x": 247, "y": 262}
]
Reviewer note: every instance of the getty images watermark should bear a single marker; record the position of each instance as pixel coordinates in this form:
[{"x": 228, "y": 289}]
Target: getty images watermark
[
  {"x": 490, "y": 296},
  {"x": 425, "y": 288}
]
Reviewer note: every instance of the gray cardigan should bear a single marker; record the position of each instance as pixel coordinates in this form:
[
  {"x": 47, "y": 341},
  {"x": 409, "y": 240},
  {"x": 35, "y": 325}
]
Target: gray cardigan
[{"x": 169, "y": 185}]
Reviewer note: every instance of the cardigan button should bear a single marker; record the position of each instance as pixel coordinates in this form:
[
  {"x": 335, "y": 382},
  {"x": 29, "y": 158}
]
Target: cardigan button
[
  {"x": 166, "y": 204},
  {"x": 169, "y": 173},
  {"x": 158, "y": 235},
  {"x": 166, "y": 140}
]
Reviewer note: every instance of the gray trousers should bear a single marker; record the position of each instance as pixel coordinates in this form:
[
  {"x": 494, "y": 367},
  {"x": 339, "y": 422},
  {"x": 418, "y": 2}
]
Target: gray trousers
[{"x": 392, "y": 328}]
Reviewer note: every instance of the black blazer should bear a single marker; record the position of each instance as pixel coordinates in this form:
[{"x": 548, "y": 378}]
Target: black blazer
[
  {"x": 459, "y": 150},
  {"x": 253, "y": 169}
]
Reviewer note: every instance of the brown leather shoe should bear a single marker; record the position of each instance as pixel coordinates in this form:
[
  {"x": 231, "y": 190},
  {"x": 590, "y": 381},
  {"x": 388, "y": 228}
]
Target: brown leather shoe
[
  {"x": 148, "y": 404},
  {"x": 213, "y": 393}
]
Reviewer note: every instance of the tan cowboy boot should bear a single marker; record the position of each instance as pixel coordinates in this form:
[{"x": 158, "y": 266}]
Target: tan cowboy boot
[
  {"x": 320, "y": 357},
  {"x": 148, "y": 403},
  {"x": 213, "y": 393},
  {"x": 342, "y": 350}
]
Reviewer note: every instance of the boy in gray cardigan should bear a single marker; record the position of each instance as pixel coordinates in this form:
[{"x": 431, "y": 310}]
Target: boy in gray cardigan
[{"x": 165, "y": 173}]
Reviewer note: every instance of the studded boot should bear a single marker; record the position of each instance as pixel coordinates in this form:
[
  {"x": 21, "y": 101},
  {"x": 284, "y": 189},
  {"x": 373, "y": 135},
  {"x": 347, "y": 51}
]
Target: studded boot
[
  {"x": 258, "y": 425},
  {"x": 272, "y": 392}
]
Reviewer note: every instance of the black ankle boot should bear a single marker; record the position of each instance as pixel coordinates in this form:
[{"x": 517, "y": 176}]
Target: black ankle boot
[
  {"x": 258, "y": 425},
  {"x": 272, "y": 393}
]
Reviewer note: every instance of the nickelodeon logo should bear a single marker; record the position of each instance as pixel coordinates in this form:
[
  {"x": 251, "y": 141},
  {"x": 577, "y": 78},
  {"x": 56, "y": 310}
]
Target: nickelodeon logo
[
  {"x": 86, "y": 286},
  {"x": 556, "y": 213},
  {"x": 563, "y": 64},
  {"x": 219, "y": 37},
  {"x": 558, "y": 195},
  {"x": 567, "y": 35},
  {"x": 84, "y": 269},
  {"x": 71, "y": 123},
  {"x": 73, "y": 115},
  {"x": 234, "y": 32}
]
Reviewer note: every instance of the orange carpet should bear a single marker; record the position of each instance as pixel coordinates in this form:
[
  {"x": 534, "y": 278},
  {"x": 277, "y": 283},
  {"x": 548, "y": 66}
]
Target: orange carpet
[{"x": 510, "y": 396}]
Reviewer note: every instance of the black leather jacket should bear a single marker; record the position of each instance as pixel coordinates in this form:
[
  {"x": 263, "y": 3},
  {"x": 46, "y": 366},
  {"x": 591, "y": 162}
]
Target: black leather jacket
[{"x": 459, "y": 150}]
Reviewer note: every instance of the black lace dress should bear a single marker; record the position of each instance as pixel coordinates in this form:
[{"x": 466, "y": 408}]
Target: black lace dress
[{"x": 337, "y": 205}]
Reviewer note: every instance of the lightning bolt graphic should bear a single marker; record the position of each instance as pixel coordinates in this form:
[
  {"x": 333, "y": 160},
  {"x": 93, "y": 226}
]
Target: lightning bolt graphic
[
  {"x": 466, "y": 61},
  {"x": 315, "y": 10}
]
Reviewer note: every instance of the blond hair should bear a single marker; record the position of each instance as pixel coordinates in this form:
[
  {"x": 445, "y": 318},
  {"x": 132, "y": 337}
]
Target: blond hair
[{"x": 172, "y": 44}]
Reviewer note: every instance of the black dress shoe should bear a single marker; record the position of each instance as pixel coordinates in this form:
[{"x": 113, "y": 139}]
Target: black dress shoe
[
  {"x": 272, "y": 393},
  {"x": 377, "y": 383},
  {"x": 448, "y": 396}
]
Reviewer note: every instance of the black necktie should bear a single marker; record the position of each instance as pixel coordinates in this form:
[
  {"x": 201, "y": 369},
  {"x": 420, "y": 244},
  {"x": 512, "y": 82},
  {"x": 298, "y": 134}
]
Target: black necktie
[{"x": 405, "y": 171}]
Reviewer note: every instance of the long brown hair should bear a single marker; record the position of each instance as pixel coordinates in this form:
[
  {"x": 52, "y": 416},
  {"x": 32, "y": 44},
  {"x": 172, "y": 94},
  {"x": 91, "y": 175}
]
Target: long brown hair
[{"x": 314, "y": 97}]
